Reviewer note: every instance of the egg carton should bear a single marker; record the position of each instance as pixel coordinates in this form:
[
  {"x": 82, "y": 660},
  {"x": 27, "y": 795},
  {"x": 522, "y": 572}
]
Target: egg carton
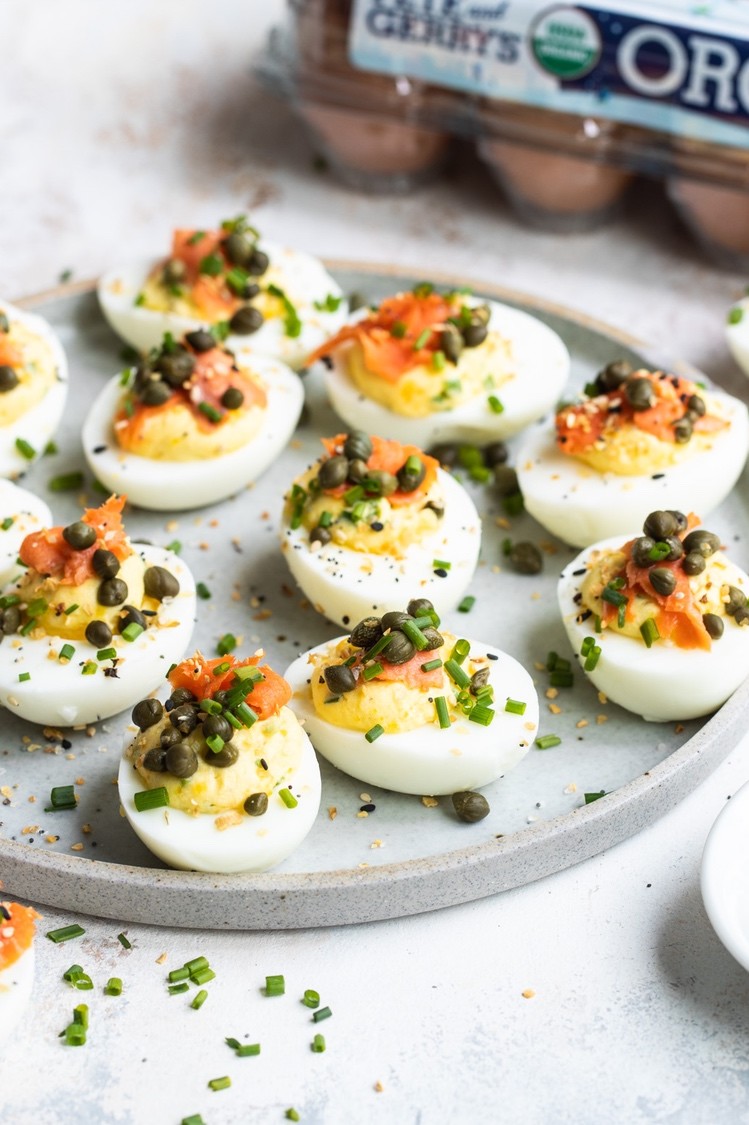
[{"x": 566, "y": 107}]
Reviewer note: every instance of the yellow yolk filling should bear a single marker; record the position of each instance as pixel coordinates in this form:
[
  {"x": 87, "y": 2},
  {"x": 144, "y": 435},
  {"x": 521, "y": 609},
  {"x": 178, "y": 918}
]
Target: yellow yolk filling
[{"x": 35, "y": 378}]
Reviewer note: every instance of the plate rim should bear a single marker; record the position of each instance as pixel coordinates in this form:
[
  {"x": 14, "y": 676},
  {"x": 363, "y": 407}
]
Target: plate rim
[{"x": 713, "y": 885}]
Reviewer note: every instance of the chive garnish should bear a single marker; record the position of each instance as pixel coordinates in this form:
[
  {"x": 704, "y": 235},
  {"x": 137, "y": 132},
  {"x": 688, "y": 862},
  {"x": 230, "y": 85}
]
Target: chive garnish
[
  {"x": 25, "y": 449},
  {"x": 175, "y": 546},
  {"x": 7, "y": 523},
  {"x": 72, "y": 974},
  {"x": 330, "y": 304},
  {"x": 735, "y": 315},
  {"x": 227, "y": 644},
  {"x": 220, "y": 1083},
  {"x": 212, "y": 265},
  {"x": 210, "y": 412},
  {"x": 124, "y": 941},
  {"x": 460, "y": 651},
  {"x": 457, "y": 674},
  {"x": 318, "y": 1044},
  {"x": 441, "y": 564},
  {"x": 215, "y": 743},
  {"x": 275, "y": 985},
  {"x": 177, "y": 975},
  {"x": 292, "y": 1114},
  {"x": 61, "y": 797},
  {"x": 592, "y": 658},
  {"x": 37, "y": 607},
  {"x": 398, "y": 329},
  {"x": 75, "y": 1035},
  {"x": 443, "y": 715},
  {"x": 374, "y": 732},
  {"x": 65, "y": 933},
  {"x": 193, "y": 1119},
  {"x": 611, "y": 595},
  {"x": 66, "y": 482},
  {"x": 431, "y": 665},
  {"x": 199, "y": 1000},
  {"x": 292, "y": 322},
  {"x": 50, "y": 449},
  {"x": 89, "y": 668},
  {"x": 495, "y": 405},
  {"x": 106, "y": 654},
  {"x": 176, "y": 989},
  {"x": 371, "y": 671},
  {"x": 561, "y": 678},
  {"x": 71, "y": 609},
  {"x": 202, "y": 591},
  {"x": 246, "y": 1050},
  {"x": 421, "y": 339},
  {"x": 23, "y": 677},
  {"x": 378, "y": 646},
  {"x": 67, "y": 652},
  {"x": 132, "y": 631},
  {"x": 649, "y": 631},
  {"x": 659, "y": 551},
  {"x": 514, "y": 504},
  {"x": 546, "y": 741},
  {"x": 245, "y": 714},
  {"x": 481, "y": 714},
  {"x": 196, "y": 964},
  {"x": 467, "y": 604},
  {"x": 151, "y": 799},
  {"x": 438, "y": 361},
  {"x": 414, "y": 634},
  {"x": 113, "y": 987},
  {"x": 311, "y": 999},
  {"x": 321, "y": 1014},
  {"x": 140, "y": 299},
  {"x": 515, "y": 706},
  {"x": 288, "y": 798},
  {"x": 80, "y": 1015},
  {"x": 590, "y": 797}
]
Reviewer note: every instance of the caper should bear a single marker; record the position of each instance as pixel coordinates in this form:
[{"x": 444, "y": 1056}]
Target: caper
[
  {"x": 696, "y": 405},
  {"x": 227, "y": 756},
  {"x": 256, "y": 804},
  {"x": 174, "y": 272},
  {"x": 714, "y": 625},
  {"x": 10, "y": 619},
  {"x": 735, "y": 600},
  {"x": 675, "y": 548},
  {"x": 333, "y": 472},
  {"x": 201, "y": 340},
  {"x": 703, "y": 541},
  {"x": 479, "y": 679},
  {"x": 495, "y": 453},
  {"x": 176, "y": 367},
  {"x": 221, "y": 697},
  {"x": 232, "y": 398},
  {"x": 411, "y": 475},
  {"x": 181, "y": 760},
  {"x": 339, "y": 679},
  {"x": 525, "y": 558},
  {"x": 434, "y": 638},
  {"x": 258, "y": 263},
  {"x": 659, "y": 525},
  {"x": 246, "y": 320},
  {"x": 184, "y": 718},
  {"x": 394, "y": 618},
  {"x": 180, "y": 696},
  {"x": 399, "y": 650},
  {"x": 641, "y": 549},
  {"x": 662, "y": 580},
  {"x": 366, "y": 633},
  {"x": 358, "y": 446},
  {"x": 470, "y": 807},
  {"x": 481, "y": 314},
  {"x": 99, "y": 634},
  {"x": 8, "y": 378},
  {"x": 112, "y": 591},
  {"x": 79, "y": 535},
  {"x": 694, "y": 563},
  {"x": 169, "y": 736},
  {"x": 639, "y": 393},
  {"x": 155, "y": 759},
  {"x": 146, "y": 713},
  {"x": 741, "y": 616},
  {"x": 418, "y": 607},
  {"x": 105, "y": 563},
  {"x": 384, "y": 481},
  {"x": 156, "y": 393},
  {"x": 238, "y": 248},
  {"x": 474, "y": 334},
  {"x": 506, "y": 480},
  {"x": 613, "y": 375},
  {"x": 217, "y": 725},
  {"x": 160, "y": 583},
  {"x": 357, "y": 470},
  {"x": 451, "y": 342},
  {"x": 680, "y": 519},
  {"x": 683, "y": 430},
  {"x": 320, "y": 535},
  {"x": 131, "y": 616},
  {"x": 446, "y": 453}
]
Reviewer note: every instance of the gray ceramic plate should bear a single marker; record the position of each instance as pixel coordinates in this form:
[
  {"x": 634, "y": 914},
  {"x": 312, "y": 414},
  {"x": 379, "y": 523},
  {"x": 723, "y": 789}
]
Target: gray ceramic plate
[{"x": 407, "y": 856}]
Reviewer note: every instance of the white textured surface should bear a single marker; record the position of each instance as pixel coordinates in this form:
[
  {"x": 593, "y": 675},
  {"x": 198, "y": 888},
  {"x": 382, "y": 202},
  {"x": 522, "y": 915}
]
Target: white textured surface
[{"x": 118, "y": 124}]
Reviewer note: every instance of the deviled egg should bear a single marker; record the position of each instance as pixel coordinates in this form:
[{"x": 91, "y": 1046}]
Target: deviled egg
[
  {"x": 16, "y": 963},
  {"x": 371, "y": 517},
  {"x": 20, "y": 513},
  {"x": 285, "y": 300},
  {"x": 221, "y": 778},
  {"x": 401, "y": 705},
  {"x": 427, "y": 366},
  {"x": 637, "y": 439},
  {"x": 33, "y": 387},
  {"x": 192, "y": 423},
  {"x": 92, "y": 622},
  {"x": 659, "y": 623},
  {"x": 737, "y": 333}
]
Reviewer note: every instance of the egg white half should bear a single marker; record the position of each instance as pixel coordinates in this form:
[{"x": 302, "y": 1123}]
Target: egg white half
[
  {"x": 662, "y": 683},
  {"x": 16, "y": 982},
  {"x": 428, "y": 761},
  {"x": 541, "y": 367},
  {"x": 304, "y": 280},
  {"x": 179, "y": 485},
  {"x": 194, "y": 843},
  {"x": 38, "y": 425},
  {"x": 28, "y": 513},
  {"x": 345, "y": 585},
  {"x": 58, "y": 694},
  {"x": 579, "y": 505}
]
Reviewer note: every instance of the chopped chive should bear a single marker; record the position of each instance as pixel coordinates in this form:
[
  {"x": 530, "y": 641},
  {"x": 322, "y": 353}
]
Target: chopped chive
[
  {"x": 202, "y": 976},
  {"x": 124, "y": 941},
  {"x": 232, "y": 720},
  {"x": 515, "y": 706},
  {"x": 72, "y": 973},
  {"x": 139, "y": 300},
  {"x": 113, "y": 987},
  {"x": 196, "y": 964},
  {"x": 735, "y": 315},
  {"x": 80, "y": 1015},
  {"x": 292, "y": 1114},
  {"x": 414, "y": 634},
  {"x": 66, "y": 482},
  {"x": 220, "y": 1083},
  {"x": 224, "y": 666},
  {"x": 421, "y": 339},
  {"x": 151, "y": 799},
  {"x": 587, "y": 645},
  {"x": 67, "y": 652},
  {"x": 311, "y": 999},
  {"x": 61, "y": 797},
  {"x": 37, "y": 606},
  {"x": 275, "y": 985},
  {"x": 649, "y": 631},
  {"x": 199, "y": 1000},
  {"x": 237, "y": 279},
  {"x": 288, "y": 798},
  {"x": 247, "y": 1050},
  {"x": 227, "y": 644},
  {"x": 71, "y": 609},
  {"x": 325, "y": 519},
  {"x": 210, "y": 707},
  {"x": 374, "y": 732},
  {"x": 245, "y": 714},
  {"x": 460, "y": 651},
  {"x": 591, "y": 390},
  {"x": 175, "y": 546},
  {"x": 212, "y": 265},
  {"x": 443, "y": 715},
  {"x": 7, "y": 523},
  {"x": 611, "y": 595},
  {"x": 132, "y": 631},
  {"x": 467, "y": 604},
  {"x": 495, "y": 405},
  {"x": 25, "y": 449},
  {"x": 50, "y": 449},
  {"x": 210, "y": 412},
  {"x": 321, "y": 1014},
  {"x": 592, "y": 658},
  {"x": 621, "y": 615},
  {"x": 215, "y": 743},
  {"x": 7, "y": 600},
  {"x": 546, "y": 741},
  {"x": 438, "y": 361},
  {"x": 659, "y": 551},
  {"x": 75, "y": 1035},
  {"x": 378, "y": 646},
  {"x": 83, "y": 982},
  {"x": 398, "y": 329},
  {"x": 89, "y": 668},
  {"x": 249, "y": 672},
  {"x": 292, "y": 321},
  {"x": 561, "y": 678},
  {"x": 65, "y": 933},
  {"x": 597, "y": 626},
  {"x": 481, "y": 714},
  {"x": 26, "y": 629},
  {"x": 177, "y": 975},
  {"x": 441, "y": 564},
  {"x": 457, "y": 674},
  {"x": 371, "y": 671},
  {"x": 590, "y": 797},
  {"x": 106, "y": 654},
  {"x": 175, "y": 989},
  {"x": 202, "y": 591},
  {"x": 330, "y": 304},
  {"x": 23, "y": 677},
  {"x": 513, "y": 504},
  {"x": 193, "y": 1119},
  {"x": 318, "y": 1044},
  {"x": 431, "y": 665}
]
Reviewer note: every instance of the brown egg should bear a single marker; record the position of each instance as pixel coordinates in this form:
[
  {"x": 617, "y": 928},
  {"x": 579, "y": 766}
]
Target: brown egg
[{"x": 711, "y": 193}]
